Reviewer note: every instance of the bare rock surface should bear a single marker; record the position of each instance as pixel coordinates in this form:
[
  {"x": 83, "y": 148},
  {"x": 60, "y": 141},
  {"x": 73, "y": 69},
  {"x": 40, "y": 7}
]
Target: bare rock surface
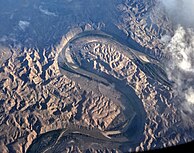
[{"x": 87, "y": 83}]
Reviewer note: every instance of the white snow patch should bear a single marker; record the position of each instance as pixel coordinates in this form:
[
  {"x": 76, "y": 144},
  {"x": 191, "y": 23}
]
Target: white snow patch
[
  {"x": 23, "y": 24},
  {"x": 46, "y": 12}
]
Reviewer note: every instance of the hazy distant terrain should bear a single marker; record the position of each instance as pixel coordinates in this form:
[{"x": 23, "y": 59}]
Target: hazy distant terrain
[{"x": 94, "y": 76}]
